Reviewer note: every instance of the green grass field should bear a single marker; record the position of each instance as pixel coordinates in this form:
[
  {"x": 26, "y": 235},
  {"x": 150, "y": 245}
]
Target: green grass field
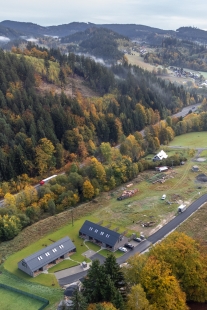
[
  {"x": 191, "y": 140},
  {"x": 53, "y": 294},
  {"x": 13, "y": 301},
  {"x": 203, "y": 153}
]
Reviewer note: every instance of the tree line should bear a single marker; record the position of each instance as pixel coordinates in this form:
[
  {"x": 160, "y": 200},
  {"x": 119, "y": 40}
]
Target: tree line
[{"x": 167, "y": 277}]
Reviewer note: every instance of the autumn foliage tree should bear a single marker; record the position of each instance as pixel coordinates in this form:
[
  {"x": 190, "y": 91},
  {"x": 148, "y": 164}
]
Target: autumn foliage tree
[
  {"x": 44, "y": 155},
  {"x": 187, "y": 262},
  {"x": 88, "y": 190},
  {"x": 136, "y": 299}
]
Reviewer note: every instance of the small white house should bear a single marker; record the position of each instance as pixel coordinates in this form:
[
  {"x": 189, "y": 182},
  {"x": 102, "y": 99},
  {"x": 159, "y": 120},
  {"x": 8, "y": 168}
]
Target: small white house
[{"x": 160, "y": 156}]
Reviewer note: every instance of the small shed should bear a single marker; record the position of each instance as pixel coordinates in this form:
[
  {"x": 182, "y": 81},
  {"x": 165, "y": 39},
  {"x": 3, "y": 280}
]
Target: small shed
[
  {"x": 195, "y": 168},
  {"x": 161, "y": 169}
]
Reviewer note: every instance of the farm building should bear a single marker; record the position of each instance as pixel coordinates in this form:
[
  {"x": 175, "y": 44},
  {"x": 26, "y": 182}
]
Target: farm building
[
  {"x": 161, "y": 169},
  {"x": 102, "y": 236},
  {"x": 195, "y": 168},
  {"x": 47, "y": 257},
  {"x": 161, "y": 155}
]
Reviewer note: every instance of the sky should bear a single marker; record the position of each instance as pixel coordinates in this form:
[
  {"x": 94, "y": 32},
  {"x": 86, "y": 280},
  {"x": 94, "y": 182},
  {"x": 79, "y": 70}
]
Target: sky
[{"x": 164, "y": 14}]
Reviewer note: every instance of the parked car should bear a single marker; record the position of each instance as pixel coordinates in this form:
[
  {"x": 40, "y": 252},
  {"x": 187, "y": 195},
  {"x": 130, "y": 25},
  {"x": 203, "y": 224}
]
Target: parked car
[
  {"x": 137, "y": 239},
  {"x": 142, "y": 237},
  {"x": 129, "y": 246},
  {"x": 163, "y": 197},
  {"x": 122, "y": 249}
]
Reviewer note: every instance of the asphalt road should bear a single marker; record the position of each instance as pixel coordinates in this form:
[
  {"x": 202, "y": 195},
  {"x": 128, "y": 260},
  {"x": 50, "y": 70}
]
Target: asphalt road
[
  {"x": 186, "y": 110},
  {"x": 145, "y": 244},
  {"x": 182, "y": 113},
  {"x": 169, "y": 227}
]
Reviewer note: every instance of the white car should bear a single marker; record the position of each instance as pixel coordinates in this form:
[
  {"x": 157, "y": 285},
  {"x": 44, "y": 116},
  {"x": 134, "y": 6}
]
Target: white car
[{"x": 123, "y": 249}]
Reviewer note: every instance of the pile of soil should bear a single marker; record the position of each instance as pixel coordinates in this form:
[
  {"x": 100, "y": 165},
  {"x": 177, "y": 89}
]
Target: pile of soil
[{"x": 201, "y": 177}]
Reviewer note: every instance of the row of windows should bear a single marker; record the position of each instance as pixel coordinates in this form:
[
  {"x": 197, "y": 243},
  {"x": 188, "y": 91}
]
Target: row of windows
[
  {"x": 48, "y": 254},
  {"x": 101, "y": 233}
]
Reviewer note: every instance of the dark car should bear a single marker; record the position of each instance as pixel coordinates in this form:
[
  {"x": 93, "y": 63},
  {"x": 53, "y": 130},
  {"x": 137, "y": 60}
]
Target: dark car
[
  {"x": 70, "y": 290},
  {"x": 129, "y": 246},
  {"x": 137, "y": 239}
]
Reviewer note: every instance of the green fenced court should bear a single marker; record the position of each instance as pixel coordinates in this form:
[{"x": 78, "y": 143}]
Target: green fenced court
[{"x": 14, "y": 299}]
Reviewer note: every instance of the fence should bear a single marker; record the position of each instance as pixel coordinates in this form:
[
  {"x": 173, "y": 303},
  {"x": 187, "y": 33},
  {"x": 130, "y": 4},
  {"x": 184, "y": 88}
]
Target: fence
[{"x": 13, "y": 289}]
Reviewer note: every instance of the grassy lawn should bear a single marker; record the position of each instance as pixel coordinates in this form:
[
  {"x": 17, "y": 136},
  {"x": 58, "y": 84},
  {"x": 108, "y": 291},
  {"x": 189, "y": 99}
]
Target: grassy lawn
[
  {"x": 105, "y": 253},
  {"x": 12, "y": 301},
  {"x": 170, "y": 152},
  {"x": 204, "y": 153},
  {"x": 191, "y": 140},
  {"x": 63, "y": 265},
  {"x": 53, "y": 294}
]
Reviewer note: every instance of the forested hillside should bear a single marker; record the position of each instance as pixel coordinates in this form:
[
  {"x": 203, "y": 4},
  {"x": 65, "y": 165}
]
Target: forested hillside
[
  {"x": 68, "y": 124},
  {"x": 99, "y": 42}
]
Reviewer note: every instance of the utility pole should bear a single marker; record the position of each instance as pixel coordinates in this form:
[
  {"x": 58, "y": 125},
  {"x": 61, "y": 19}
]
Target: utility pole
[{"x": 72, "y": 216}]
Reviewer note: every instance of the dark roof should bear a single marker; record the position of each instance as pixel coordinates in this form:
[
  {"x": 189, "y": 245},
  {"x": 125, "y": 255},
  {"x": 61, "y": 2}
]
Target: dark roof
[
  {"x": 100, "y": 233},
  {"x": 49, "y": 253}
]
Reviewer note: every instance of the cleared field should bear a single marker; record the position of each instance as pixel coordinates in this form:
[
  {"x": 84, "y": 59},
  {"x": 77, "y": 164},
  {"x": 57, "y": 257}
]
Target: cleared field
[
  {"x": 195, "y": 226},
  {"x": 14, "y": 301},
  {"x": 203, "y": 153},
  {"x": 137, "y": 60},
  {"x": 191, "y": 140}
]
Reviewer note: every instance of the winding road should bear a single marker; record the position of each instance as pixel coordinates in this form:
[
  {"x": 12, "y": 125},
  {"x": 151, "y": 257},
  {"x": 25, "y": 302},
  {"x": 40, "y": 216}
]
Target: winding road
[{"x": 144, "y": 245}]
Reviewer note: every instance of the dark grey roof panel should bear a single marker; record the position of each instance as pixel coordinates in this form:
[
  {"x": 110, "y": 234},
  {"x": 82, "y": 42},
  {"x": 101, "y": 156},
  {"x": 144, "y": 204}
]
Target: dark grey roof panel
[
  {"x": 100, "y": 233},
  {"x": 49, "y": 253}
]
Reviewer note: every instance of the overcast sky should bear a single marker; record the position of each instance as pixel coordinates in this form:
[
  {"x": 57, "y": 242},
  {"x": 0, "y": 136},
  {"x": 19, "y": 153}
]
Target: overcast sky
[{"x": 163, "y": 14}]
